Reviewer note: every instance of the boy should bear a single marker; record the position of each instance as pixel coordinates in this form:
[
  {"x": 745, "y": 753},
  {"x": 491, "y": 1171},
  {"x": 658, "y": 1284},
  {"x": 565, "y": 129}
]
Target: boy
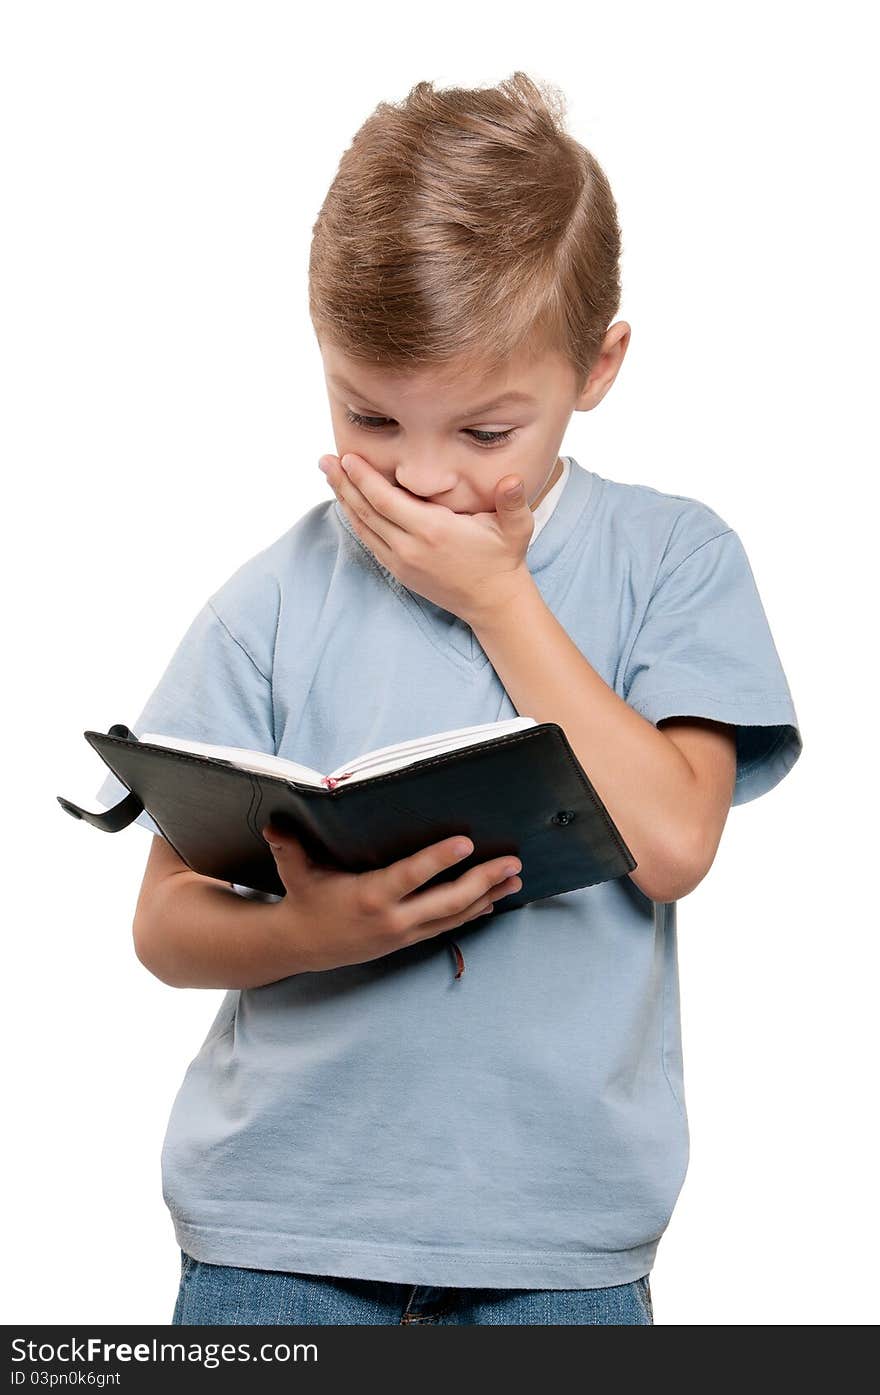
[{"x": 366, "y": 1119}]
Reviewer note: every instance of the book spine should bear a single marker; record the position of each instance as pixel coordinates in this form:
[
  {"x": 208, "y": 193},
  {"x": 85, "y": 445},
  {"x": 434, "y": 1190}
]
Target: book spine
[{"x": 331, "y": 782}]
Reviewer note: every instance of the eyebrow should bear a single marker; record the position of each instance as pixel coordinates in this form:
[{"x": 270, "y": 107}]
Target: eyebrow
[{"x": 512, "y": 396}]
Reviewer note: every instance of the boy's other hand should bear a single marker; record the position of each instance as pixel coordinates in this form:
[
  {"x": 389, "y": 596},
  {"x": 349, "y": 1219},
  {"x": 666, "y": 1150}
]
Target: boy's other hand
[{"x": 338, "y": 918}]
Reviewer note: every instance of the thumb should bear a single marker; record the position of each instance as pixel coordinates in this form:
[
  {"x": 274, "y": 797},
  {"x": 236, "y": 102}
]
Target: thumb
[
  {"x": 289, "y": 853},
  {"x": 511, "y": 507},
  {"x": 510, "y": 496}
]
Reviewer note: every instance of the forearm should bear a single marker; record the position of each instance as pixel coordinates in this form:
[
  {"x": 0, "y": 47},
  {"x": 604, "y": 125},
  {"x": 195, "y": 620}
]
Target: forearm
[
  {"x": 196, "y": 932},
  {"x": 641, "y": 776}
]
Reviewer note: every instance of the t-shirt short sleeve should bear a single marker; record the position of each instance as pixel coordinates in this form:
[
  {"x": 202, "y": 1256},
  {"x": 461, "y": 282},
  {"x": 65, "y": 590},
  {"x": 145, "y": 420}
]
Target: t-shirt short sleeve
[
  {"x": 705, "y": 649},
  {"x": 212, "y": 690}
]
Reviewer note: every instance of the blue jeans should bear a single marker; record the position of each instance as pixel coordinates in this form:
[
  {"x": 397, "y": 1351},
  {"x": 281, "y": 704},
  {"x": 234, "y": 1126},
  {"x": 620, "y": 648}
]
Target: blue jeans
[{"x": 220, "y": 1294}]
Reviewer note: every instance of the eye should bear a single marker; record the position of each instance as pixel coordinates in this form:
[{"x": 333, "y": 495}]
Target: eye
[
  {"x": 491, "y": 437},
  {"x": 370, "y": 423},
  {"x": 480, "y": 438}
]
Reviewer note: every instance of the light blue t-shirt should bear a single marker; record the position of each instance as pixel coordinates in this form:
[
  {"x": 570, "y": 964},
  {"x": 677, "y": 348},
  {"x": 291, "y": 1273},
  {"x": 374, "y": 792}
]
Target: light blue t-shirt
[{"x": 523, "y": 1125}]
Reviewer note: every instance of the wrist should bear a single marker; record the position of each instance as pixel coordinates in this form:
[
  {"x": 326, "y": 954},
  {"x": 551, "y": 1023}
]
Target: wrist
[
  {"x": 501, "y": 601},
  {"x": 286, "y": 931}
]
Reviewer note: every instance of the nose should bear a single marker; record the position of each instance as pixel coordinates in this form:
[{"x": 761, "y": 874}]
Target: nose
[{"x": 425, "y": 481}]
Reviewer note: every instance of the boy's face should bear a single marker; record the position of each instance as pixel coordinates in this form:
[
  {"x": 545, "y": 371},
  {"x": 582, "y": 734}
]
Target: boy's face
[{"x": 448, "y": 439}]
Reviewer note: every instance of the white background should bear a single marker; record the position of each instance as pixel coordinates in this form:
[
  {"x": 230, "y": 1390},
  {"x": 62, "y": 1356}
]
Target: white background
[{"x": 162, "y": 166}]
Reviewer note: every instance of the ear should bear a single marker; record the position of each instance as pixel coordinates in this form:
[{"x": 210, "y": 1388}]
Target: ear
[{"x": 606, "y": 367}]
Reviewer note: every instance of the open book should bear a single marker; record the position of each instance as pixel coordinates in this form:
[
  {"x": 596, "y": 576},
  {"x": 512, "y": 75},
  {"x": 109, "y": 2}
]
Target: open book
[
  {"x": 514, "y": 786},
  {"x": 378, "y": 762}
]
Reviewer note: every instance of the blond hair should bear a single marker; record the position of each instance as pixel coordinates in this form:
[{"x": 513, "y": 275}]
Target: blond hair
[{"x": 466, "y": 224}]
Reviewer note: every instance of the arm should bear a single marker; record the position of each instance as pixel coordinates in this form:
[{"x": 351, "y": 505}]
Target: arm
[
  {"x": 671, "y": 812},
  {"x": 196, "y": 932}
]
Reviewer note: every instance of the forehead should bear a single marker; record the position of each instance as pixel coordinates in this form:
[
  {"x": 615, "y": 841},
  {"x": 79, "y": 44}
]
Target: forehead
[{"x": 467, "y": 383}]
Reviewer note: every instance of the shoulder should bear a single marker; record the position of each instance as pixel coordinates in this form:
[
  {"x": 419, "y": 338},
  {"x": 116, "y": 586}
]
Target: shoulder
[
  {"x": 250, "y": 602},
  {"x": 660, "y": 527}
]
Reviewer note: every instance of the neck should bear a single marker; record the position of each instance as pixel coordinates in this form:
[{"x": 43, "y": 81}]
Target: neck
[{"x": 554, "y": 475}]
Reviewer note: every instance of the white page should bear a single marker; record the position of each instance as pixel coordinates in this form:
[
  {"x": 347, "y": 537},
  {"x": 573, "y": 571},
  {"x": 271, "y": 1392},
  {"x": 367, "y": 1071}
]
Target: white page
[
  {"x": 405, "y": 752},
  {"x": 378, "y": 761},
  {"x": 259, "y": 761}
]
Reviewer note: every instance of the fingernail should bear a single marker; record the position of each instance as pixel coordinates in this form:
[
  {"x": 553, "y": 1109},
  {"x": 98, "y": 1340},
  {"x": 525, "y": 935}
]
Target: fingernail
[{"x": 322, "y": 466}]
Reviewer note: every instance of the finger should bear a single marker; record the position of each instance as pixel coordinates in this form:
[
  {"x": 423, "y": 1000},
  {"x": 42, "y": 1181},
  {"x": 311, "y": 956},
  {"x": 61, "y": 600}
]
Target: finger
[
  {"x": 366, "y": 520},
  {"x": 484, "y": 905},
  {"x": 388, "y": 509},
  {"x": 490, "y": 881},
  {"x": 363, "y": 519},
  {"x": 451, "y": 922},
  {"x": 486, "y": 900},
  {"x": 452, "y": 898},
  {"x": 512, "y": 508},
  {"x": 371, "y": 539},
  {"x": 409, "y": 873}
]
